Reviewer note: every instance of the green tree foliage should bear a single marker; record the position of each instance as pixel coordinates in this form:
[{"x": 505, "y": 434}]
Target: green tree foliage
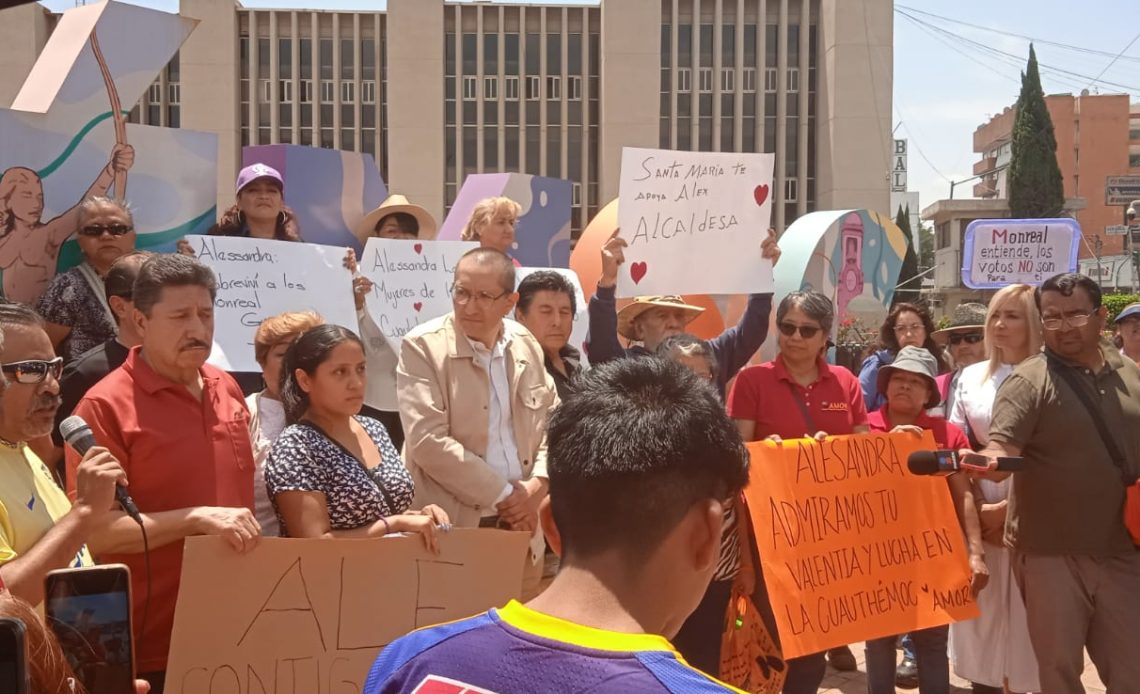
[
  {"x": 910, "y": 284},
  {"x": 1036, "y": 190},
  {"x": 926, "y": 246}
]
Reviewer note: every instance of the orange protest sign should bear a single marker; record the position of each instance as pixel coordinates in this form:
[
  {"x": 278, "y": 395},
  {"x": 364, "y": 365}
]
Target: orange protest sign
[{"x": 852, "y": 545}]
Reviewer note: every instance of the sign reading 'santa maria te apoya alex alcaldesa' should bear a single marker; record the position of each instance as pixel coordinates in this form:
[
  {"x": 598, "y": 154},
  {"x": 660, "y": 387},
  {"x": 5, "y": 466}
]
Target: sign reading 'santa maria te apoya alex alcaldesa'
[{"x": 1000, "y": 252}]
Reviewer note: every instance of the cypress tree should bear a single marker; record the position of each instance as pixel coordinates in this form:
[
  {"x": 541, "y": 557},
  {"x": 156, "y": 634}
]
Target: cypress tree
[
  {"x": 910, "y": 291},
  {"x": 1036, "y": 189}
]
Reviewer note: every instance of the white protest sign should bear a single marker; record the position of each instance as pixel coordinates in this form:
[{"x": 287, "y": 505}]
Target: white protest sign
[
  {"x": 581, "y": 327},
  {"x": 259, "y": 278},
  {"x": 1000, "y": 252},
  {"x": 694, "y": 222},
  {"x": 411, "y": 282}
]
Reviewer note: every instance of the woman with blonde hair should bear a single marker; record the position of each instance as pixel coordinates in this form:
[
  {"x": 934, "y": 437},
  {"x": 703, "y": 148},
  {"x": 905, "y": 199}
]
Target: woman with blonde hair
[
  {"x": 492, "y": 223},
  {"x": 993, "y": 651}
]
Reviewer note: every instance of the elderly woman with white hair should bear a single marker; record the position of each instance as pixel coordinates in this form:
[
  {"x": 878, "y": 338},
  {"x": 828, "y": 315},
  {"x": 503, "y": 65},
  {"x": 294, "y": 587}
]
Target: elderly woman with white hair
[{"x": 492, "y": 223}]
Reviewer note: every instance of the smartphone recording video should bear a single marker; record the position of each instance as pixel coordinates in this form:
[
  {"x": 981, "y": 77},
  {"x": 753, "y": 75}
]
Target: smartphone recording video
[
  {"x": 13, "y": 657},
  {"x": 89, "y": 610}
]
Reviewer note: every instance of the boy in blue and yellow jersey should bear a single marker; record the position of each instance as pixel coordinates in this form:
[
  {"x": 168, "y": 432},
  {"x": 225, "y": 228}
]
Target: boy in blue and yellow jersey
[{"x": 642, "y": 461}]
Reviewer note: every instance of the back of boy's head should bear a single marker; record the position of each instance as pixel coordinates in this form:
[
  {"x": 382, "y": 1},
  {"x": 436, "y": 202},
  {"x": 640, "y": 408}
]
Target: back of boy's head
[{"x": 639, "y": 442}]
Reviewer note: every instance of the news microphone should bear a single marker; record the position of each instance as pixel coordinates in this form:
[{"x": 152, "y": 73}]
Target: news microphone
[
  {"x": 946, "y": 462},
  {"x": 78, "y": 435}
]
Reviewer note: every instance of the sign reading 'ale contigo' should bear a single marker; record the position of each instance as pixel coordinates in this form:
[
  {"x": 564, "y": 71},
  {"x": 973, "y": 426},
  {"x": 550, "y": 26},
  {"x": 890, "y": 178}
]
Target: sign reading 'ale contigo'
[{"x": 853, "y": 546}]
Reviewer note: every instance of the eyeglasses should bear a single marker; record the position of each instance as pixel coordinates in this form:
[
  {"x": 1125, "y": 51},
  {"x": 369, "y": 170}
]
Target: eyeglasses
[
  {"x": 912, "y": 328},
  {"x": 94, "y": 230},
  {"x": 34, "y": 371},
  {"x": 970, "y": 339},
  {"x": 806, "y": 331},
  {"x": 462, "y": 297},
  {"x": 1075, "y": 321}
]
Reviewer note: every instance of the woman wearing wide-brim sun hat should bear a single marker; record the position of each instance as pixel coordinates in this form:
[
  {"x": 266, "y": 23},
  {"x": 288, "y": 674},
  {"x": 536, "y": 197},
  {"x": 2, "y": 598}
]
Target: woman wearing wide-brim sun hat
[{"x": 395, "y": 218}]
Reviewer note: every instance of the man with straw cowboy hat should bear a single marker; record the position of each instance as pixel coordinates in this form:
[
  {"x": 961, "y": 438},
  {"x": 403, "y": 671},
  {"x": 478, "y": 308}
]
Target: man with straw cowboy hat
[
  {"x": 964, "y": 339},
  {"x": 650, "y": 319},
  {"x": 395, "y": 218}
]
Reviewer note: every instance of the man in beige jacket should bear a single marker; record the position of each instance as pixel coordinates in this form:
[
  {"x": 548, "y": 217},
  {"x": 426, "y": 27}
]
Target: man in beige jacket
[{"x": 474, "y": 399}]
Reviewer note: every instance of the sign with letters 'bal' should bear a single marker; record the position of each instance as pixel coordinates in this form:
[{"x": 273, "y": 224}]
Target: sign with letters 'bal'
[
  {"x": 694, "y": 222},
  {"x": 852, "y": 545},
  {"x": 259, "y": 278},
  {"x": 311, "y": 615},
  {"x": 1000, "y": 252},
  {"x": 411, "y": 282}
]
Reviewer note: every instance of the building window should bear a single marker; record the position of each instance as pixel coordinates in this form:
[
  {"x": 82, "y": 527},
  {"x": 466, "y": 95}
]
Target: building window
[
  {"x": 533, "y": 87},
  {"x": 286, "y": 91},
  {"x": 328, "y": 91},
  {"x": 684, "y": 80},
  {"x": 470, "y": 87},
  {"x": 793, "y": 80},
  {"x": 174, "y": 93},
  {"x": 706, "y": 79},
  {"x": 266, "y": 91},
  {"x": 575, "y": 86},
  {"x": 368, "y": 92},
  {"x": 553, "y": 87},
  {"x": 771, "y": 80},
  {"x": 155, "y": 95},
  {"x": 306, "y": 88},
  {"x": 575, "y": 194},
  {"x": 749, "y": 79},
  {"x": 491, "y": 88},
  {"x": 1134, "y": 161},
  {"x": 791, "y": 190},
  {"x": 347, "y": 92},
  {"x": 727, "y": 79},
  {"x": 511, "y": 88}
]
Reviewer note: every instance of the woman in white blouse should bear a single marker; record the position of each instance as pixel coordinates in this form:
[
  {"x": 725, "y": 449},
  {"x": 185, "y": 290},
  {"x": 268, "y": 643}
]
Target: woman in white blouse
[{"x": 993, "y": 651}]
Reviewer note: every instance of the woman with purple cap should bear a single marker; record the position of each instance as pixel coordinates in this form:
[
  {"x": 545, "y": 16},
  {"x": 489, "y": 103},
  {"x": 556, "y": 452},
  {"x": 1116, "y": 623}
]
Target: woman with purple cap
[{"x": 260, "y": 210}]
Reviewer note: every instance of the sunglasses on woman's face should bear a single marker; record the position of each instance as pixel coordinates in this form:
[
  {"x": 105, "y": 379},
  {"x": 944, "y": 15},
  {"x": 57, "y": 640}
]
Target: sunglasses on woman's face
[
  {"x": 806, "y": 331},
  {"x": 94, "y": 230},
  {"x": 33, "y": 371},
  {"x": 970, "y": 339}
]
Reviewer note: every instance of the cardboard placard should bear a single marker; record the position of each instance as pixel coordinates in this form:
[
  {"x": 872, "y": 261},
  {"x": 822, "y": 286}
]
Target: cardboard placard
[
  {"x": 581, "y": 329},
  {"x": 259, "y": 278},
  {"x": 853, "y": 546},
  {"x": 411, "y": 282},
  {"x": 311, "y": 615},
  {"x": 694, "y": 222},
  {"x": 1000, "y": 252}
]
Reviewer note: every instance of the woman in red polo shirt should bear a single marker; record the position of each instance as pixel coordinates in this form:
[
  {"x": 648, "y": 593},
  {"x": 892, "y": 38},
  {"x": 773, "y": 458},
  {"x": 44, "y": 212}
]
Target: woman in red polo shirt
[{"x": 797, "y": 395}]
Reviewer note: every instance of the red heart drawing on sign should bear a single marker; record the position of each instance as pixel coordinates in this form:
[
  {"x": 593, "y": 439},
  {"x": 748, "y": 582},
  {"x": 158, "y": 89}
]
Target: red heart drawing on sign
[
  {"x": 637, "y": 271},
  {"x": 760, "y": 193},
  {"x": 417, "y": 306},
  {"x": 418, "y": 248}
]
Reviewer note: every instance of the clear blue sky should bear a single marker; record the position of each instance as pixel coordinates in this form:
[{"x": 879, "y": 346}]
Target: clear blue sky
[{"x": 944, "y": 86}]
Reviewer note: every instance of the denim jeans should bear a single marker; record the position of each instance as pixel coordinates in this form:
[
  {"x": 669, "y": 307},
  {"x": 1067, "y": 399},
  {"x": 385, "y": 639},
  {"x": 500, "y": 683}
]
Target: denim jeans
[
  {"x": 908, "y": 646},
  {"x": 930, "y": 654}
]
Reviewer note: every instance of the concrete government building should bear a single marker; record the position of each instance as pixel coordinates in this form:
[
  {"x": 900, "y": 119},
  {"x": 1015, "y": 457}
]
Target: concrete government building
[{"x": 438, "y": 90}]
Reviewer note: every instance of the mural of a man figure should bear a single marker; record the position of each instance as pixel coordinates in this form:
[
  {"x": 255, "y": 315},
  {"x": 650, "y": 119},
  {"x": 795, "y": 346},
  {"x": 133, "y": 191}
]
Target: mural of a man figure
[{"x": 29, "y": 247}]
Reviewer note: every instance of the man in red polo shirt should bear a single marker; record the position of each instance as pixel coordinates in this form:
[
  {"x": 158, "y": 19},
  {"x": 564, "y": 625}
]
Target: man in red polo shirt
[{"x": 181, "y": 430}]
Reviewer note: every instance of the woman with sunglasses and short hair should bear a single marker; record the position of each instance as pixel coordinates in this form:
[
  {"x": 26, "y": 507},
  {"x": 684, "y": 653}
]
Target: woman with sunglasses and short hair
[
  {"x": 799, "y": 395},
  {"x": 75, "y": 306}
]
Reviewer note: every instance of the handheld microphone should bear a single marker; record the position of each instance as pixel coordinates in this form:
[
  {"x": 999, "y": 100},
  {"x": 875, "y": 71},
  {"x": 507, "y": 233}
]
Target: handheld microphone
[
  {"x": 946, "y": 462},
  {"x": 78, "y": 435}
]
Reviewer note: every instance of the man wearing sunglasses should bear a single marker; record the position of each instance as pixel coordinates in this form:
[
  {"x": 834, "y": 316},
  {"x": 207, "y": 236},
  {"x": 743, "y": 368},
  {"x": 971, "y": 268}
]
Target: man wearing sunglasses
[
  {"x": 965, "y": 340},
  {"x": 40, "y": 531},
  {"x": 474, "y": 398}
]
